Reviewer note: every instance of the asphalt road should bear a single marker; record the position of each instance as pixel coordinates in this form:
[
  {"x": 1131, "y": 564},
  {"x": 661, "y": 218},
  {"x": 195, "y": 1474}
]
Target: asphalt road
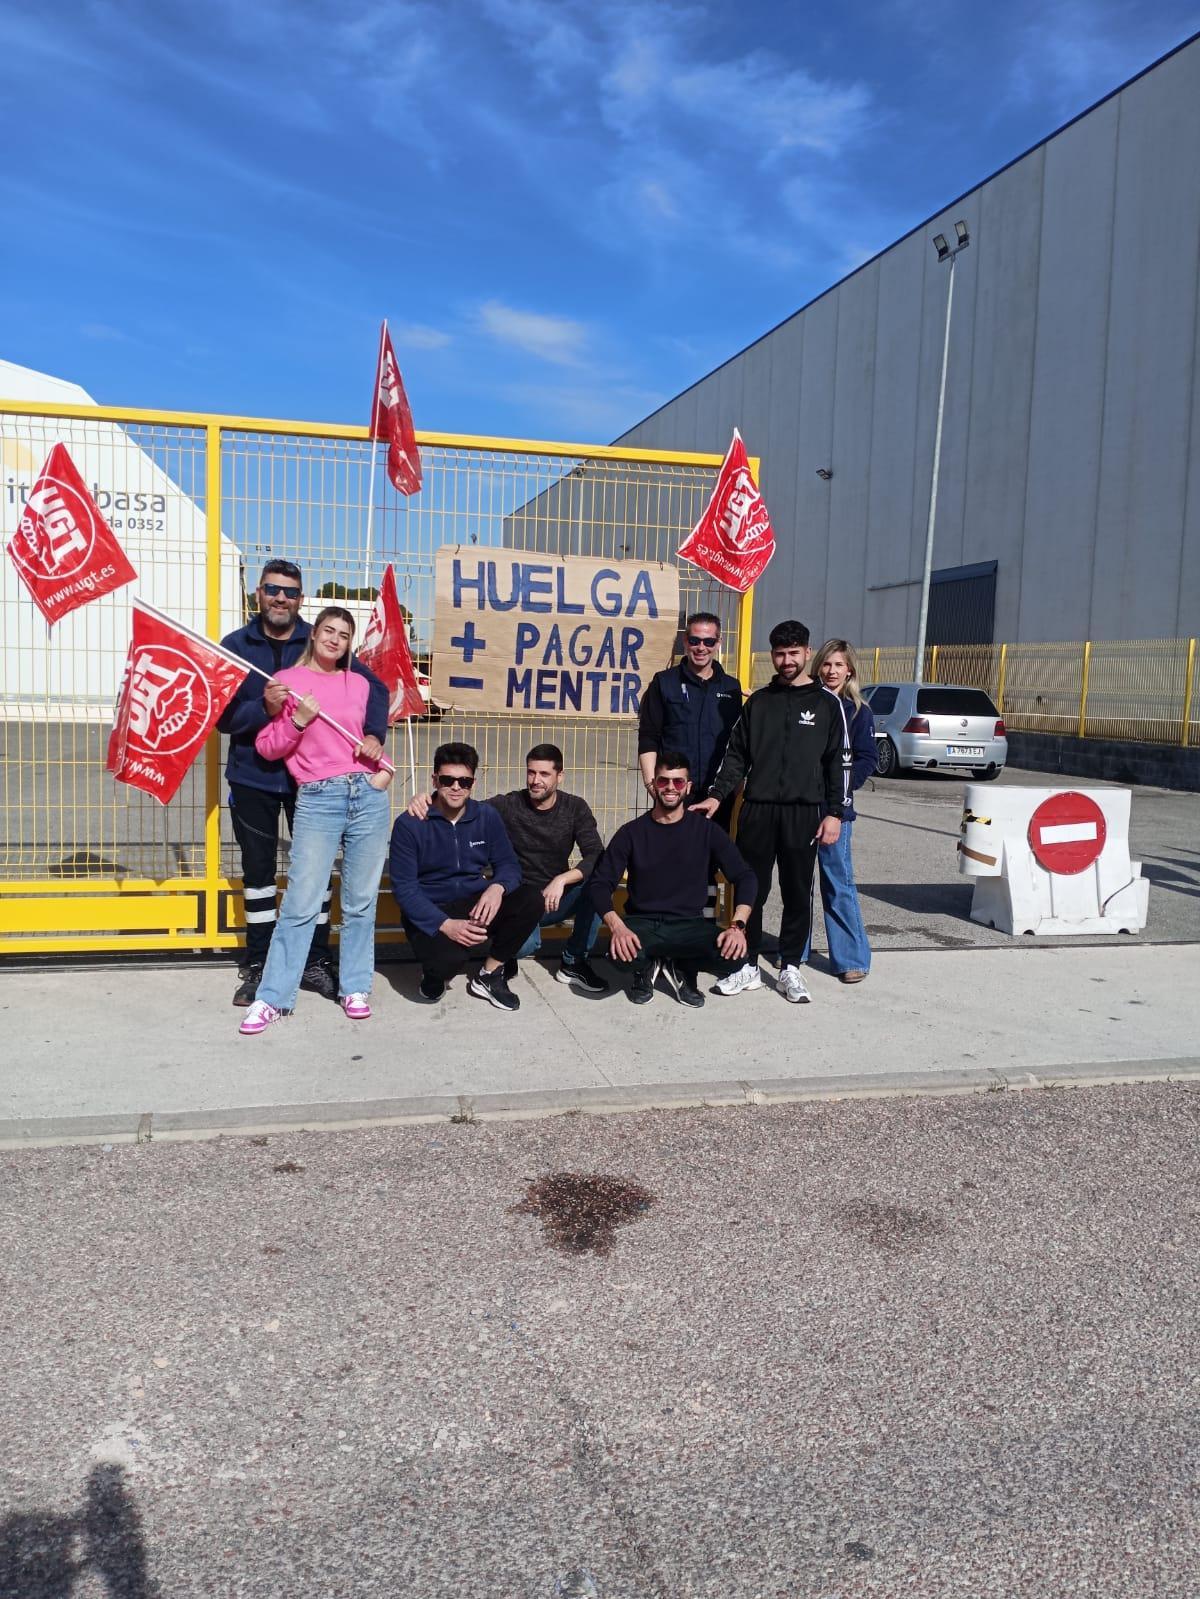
[{"x": 938, "y": 1347}]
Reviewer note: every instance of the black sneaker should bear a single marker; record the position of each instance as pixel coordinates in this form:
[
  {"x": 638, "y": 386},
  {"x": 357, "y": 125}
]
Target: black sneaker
[
  {"x": 432, "y": 988},
  {"x": 681, "y": 985},
  {"x": 319, "y": 978},
  {"x": 580, "y": 975},
  {"x": 493, "y": 986},
  {"x": 672, "y": 980},
  {"x": 510, "y": 970},
  {"x": 247, "y": 989},
  {"x": 641, "y": 990}
]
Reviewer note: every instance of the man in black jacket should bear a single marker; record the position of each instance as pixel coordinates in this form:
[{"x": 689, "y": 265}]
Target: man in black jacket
[
  {"x": 690, "y": 707},
  {"x": 260, "y": 789},
  {"x": 787, "y": 748}
]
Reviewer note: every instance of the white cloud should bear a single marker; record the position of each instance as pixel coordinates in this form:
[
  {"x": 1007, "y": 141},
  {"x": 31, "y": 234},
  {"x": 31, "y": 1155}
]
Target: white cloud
[
  {"x": 103, "y": 333},
  {"x": 1079, "y": 50},
  {"x": 552, "y": 338},
  {"x": 418, "y": 336}
]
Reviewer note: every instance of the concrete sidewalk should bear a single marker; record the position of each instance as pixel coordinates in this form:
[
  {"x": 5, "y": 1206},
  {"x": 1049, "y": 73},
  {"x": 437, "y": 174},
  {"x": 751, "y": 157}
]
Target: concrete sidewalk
[{"x": 132, "y": 1051}]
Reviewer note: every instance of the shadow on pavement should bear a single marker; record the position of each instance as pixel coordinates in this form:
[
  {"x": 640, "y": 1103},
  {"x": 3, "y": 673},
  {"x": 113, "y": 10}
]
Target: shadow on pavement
[{"x": 42, "y": 1555}]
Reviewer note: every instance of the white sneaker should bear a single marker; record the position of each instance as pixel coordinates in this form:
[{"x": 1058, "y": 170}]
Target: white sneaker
[
  {"x": 793, "y": 986},
  {"x": 746, "y": 977},
  {"x": 259, "y": 1017}
]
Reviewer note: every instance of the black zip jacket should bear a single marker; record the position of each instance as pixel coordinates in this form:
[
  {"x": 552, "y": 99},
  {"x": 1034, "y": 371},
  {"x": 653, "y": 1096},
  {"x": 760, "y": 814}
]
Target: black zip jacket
[{"x": 787, "y": 747}]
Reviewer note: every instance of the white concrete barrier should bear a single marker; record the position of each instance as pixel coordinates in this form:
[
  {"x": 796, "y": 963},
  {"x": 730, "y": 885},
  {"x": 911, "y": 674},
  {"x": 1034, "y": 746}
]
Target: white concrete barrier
[{"x": 1049, "y": 860}]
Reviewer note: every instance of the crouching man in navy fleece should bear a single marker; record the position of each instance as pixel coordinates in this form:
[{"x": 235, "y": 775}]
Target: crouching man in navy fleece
[{"x": 458, "y": 884}]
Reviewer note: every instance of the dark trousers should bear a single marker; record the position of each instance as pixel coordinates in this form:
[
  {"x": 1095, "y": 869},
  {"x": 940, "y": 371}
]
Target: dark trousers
[
  {"x": 519, "y": 913},
  {"x": 782, "y": 836},
  {"x": 255, "y": 816},
  {"x": 689, "y": 941}
]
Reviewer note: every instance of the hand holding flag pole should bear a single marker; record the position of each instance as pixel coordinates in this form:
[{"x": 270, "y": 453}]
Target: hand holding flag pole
[{"x": 236, "y": 660}]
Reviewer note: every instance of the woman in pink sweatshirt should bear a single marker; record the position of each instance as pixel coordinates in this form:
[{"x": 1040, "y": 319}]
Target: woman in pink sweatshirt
[{"x": 341, "y": 802}]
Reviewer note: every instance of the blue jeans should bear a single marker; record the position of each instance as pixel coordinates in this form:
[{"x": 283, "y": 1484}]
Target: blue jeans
[
  {"x": 849, "y": 950},
  {"x": 343, "y": 811},
  {"x": 583, "y": 935}
]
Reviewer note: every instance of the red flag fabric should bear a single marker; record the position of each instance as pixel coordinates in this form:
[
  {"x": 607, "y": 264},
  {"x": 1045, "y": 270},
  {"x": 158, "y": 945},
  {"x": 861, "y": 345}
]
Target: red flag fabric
[
  {"x": 63, "y": 549},
  {"x": 391, "y": 419},
  {"x": 175, "y": 687},
  {"x": 733, "y": 540},
  {"x": 385, "y": 651}
]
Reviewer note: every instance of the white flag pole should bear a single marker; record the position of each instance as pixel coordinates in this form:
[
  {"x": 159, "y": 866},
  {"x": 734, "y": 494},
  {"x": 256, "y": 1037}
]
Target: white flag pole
[
  {"x": 245, "y": 666},
  {"x": 371, "y": 467},
  {"x": 412, "y": 754}
]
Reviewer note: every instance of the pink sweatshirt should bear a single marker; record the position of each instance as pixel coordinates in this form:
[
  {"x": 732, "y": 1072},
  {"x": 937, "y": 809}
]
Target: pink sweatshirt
[{"x": 318, "y": 751}]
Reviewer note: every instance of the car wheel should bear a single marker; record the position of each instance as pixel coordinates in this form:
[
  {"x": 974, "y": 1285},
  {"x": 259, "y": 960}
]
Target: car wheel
[
  {"x": 887, "y": 761},
  {"x": 985, "y": 774}
]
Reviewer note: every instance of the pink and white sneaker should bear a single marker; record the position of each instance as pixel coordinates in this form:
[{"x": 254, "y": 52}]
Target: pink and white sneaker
[
  {"x": 356, "y": 1007},
  {"x": 259, "y": 1017}
]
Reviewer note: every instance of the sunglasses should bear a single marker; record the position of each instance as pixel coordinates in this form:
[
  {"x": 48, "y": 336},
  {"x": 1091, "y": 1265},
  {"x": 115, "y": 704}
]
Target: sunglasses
[
  {"x": 708, "y": 643},
  {"x": 277, "y": 590},
  {"x": 672, "y": 782},
  {"x": 454, "y": 782}
]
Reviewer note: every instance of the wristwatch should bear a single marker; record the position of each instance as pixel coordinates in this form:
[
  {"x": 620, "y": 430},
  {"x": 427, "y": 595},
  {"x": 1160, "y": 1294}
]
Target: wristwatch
[{"x": 740, "y": 925}]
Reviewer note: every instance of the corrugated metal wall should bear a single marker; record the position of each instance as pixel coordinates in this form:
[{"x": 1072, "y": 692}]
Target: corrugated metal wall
[{"x": 1071, "y": 445}]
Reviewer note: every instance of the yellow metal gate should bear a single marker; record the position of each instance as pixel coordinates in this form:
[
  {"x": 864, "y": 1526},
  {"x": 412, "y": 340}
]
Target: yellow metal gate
[{"x": 200, "y": 502}]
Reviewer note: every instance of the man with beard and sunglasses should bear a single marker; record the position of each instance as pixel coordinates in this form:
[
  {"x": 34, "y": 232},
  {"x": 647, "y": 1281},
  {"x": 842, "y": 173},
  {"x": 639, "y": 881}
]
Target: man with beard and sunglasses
[
  {"x": 458, "y": 884},
  {"x": 260, "y": 789},
  {"x": 668, "y": 855}
]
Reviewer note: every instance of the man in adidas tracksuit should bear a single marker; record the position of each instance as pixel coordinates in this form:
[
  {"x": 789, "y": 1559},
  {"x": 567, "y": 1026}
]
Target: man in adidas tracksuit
[{"x": 787, "y": 747}]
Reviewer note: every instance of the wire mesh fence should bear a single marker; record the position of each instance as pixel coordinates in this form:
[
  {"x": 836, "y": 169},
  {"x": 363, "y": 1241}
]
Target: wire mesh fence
[
  {"x": 1141, "y": 690},
  {"x": 89, "y": 863}
]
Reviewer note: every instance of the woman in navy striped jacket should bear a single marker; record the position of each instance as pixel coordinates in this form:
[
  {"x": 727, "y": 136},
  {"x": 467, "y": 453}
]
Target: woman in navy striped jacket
[{"x": 836, "y": 669}]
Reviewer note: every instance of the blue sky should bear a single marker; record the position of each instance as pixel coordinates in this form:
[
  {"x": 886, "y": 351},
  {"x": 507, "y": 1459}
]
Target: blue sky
[{"x": 567, "y": 211}]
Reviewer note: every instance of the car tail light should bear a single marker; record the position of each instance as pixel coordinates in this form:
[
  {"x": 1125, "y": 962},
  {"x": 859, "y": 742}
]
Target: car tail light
[
  {"x": 915, "y": 724},
  {"x": 998, "y": 731}
]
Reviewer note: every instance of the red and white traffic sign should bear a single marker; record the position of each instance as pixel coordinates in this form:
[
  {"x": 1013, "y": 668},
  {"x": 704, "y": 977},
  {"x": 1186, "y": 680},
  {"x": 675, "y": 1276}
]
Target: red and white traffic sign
[{"x": 1067, "y": 833}]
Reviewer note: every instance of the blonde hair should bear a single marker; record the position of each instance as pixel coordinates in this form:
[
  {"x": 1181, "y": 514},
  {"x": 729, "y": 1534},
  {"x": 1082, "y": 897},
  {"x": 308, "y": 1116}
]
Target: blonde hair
[
  {"x": 337, "y": 613},
  {"x": 838, "y": 646}
]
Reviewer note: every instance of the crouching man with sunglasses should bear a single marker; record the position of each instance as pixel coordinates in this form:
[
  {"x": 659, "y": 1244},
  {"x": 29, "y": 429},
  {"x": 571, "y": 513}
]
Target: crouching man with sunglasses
[
  {"x": 458, "y": 884},
  {"x": 668, "y": 861}
]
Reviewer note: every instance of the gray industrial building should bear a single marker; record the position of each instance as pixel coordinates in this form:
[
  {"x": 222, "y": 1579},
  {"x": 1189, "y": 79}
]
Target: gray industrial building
[{"x": 1069, "y": 489}]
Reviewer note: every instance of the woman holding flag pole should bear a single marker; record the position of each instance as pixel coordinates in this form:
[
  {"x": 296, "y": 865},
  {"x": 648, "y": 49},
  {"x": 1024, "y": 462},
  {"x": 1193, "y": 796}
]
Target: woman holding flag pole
[{"x": 341, "y": 802}]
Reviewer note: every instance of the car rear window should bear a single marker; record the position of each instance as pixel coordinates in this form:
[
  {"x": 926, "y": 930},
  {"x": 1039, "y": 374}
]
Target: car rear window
[
  {"x": 882, "y": 700},
  {"x": 954, "y": 702}
]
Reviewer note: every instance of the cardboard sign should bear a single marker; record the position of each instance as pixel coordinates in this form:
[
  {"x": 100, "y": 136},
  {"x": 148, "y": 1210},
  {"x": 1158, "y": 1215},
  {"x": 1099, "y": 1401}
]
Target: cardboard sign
[{"x": 516, "y": 630}]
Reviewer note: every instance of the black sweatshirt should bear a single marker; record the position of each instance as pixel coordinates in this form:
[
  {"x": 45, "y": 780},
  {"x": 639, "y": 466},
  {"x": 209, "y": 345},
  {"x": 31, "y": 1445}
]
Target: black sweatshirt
[
  {"x": 543, "y": 840},
  {"x": 787, "y": 746},
  {"x": 670, "y": 866}
]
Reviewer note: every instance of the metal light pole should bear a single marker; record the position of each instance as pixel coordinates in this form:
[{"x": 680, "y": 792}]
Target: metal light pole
[{"x": 944, "y": 253}]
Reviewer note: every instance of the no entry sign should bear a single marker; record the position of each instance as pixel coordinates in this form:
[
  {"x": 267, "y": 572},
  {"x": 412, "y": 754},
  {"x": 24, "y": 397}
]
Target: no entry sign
[{"x": 1067, "y": 833}]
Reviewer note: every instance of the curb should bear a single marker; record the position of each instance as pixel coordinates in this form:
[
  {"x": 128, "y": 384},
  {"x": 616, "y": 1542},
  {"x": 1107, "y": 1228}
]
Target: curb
[{"x": 177, "y": 1126}]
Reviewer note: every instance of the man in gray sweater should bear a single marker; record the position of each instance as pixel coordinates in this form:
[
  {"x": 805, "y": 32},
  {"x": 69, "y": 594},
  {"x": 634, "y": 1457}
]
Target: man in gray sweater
[{"x": 545, "y": 825}]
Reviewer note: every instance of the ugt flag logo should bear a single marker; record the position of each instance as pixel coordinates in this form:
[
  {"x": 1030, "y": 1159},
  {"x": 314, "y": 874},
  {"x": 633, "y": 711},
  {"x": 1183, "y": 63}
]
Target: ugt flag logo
[
  {"x": 63, "y": 549},
  {"x": 175, "y": 687},
  {"x": 391, "y": 419},
  {"x": 733, "y": 540},
  {"x": 385, "y": 652}
]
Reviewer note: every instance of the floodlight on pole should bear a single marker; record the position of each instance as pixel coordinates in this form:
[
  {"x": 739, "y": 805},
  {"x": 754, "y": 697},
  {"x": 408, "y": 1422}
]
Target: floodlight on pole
[{"x": 944, "y": 253}]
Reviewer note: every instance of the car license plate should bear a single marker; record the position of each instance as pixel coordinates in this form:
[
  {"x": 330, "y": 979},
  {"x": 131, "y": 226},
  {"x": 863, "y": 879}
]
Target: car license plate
[{"x": 964, "y": 749}]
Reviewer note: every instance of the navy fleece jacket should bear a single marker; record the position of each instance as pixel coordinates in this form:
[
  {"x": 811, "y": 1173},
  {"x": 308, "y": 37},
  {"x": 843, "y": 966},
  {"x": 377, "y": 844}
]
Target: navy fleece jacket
[{"x": 434, "y": 862}]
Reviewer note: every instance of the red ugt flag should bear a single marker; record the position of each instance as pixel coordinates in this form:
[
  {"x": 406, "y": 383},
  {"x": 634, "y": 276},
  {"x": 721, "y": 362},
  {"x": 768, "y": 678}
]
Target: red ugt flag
[
  {"x": 175, "y": 687},
  {"x": 63, "y": 549},
  {"x": 385, "y": 651},
  {"x": 733, "y": 539},
  {"x": 391, "y": 419}
]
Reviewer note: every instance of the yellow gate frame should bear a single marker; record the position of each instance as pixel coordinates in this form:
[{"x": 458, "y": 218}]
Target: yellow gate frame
[{"x": 58, "y": 916}]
